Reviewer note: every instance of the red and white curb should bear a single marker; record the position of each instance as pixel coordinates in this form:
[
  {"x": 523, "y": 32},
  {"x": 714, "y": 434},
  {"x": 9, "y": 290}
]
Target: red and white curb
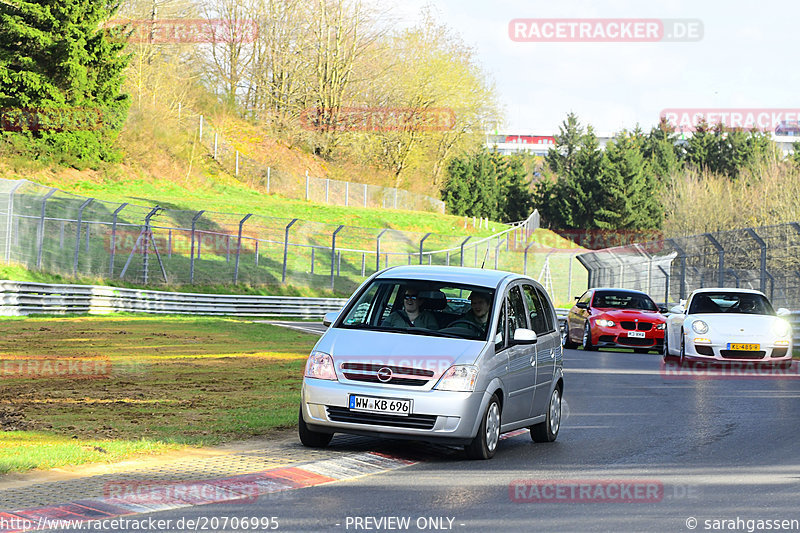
[{"x": 129, "y": 497}]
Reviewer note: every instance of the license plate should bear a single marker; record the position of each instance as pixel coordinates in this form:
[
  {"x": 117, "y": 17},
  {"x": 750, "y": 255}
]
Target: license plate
[
  {"x": 371, "y": 404},
  {"x": 636, "y": 334},
  {"x": 744, "y": 347}
]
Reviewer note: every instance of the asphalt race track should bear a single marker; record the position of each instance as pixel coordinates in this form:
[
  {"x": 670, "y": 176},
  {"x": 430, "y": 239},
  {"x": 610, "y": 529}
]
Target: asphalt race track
[{"x": 639, "y": 450}]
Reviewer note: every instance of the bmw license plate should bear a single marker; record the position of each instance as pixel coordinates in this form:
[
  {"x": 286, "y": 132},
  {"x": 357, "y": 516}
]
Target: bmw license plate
[
  {"x": 389, "y": 406},
  {"x": 744, "y": 347},
  {"x": 636, "y": 334}
]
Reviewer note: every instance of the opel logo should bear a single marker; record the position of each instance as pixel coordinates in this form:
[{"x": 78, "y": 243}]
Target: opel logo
[{"x": 385, "y": 374}]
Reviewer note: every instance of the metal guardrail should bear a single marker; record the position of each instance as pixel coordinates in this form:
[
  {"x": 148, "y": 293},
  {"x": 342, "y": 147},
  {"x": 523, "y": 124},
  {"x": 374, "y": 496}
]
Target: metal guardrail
[{"x": 22, "y": 298}]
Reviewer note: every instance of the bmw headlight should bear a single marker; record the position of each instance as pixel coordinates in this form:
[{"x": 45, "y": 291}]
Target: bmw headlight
[
  {"x": 781, "y": 328},
  {"x": 604, "y": 323},
  {"x": 662, "y": 325},
  {"x": 700, "y": 327},
  {"x": 460, "y": 378}
]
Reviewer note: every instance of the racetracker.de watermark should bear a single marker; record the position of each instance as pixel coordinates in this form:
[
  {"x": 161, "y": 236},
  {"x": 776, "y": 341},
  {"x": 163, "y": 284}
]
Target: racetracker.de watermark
[
  {"x": 761, "y": 119},
  {"x": 44, "y": 367},
  {"x": 187, "y": 31},
  {"x": 50, "y": 119},
  {"x": 373, "y": 119},
  {"x": 585, "y": 491},
  {"x": 181, "y": 492},
  {"x": 728, "y": 370},
  {"x": 605, "y": 30}
]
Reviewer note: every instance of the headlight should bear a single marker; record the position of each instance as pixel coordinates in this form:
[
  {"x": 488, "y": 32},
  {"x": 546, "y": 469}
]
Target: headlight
[
  {"x": 320, "y": 366},
  {"x": 781, "y": 328},
  {"x": 603, "y": 323},
  {"x": 700, "y": 327},
  {"x": 663, "y": 325},
  {"x": 460, "y": 378}
]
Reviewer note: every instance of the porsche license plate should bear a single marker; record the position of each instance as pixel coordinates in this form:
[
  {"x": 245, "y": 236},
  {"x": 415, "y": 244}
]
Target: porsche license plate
[
  {"x": 744, "y": 347},
  {"x": 636, "y": 334},
  {"x": 389, "y": 406}
]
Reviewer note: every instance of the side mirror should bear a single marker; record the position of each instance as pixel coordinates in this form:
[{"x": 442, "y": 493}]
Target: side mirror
[
  {"x": 524, "y": 336},
  {"x": 782, "y": 311},
  {"x": 330, "y": 318},
  {"x": 662, "y": 309},
  {"x": 582, "y": 305},
  {"x": 678, "y": 310}
]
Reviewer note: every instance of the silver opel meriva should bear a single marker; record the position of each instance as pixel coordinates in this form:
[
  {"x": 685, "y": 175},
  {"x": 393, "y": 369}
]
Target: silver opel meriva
[{"x": 446, "y": 354}]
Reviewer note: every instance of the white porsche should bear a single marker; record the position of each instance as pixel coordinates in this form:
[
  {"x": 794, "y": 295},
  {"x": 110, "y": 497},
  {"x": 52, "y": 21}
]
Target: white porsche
[{"x": 727, "y": 325}]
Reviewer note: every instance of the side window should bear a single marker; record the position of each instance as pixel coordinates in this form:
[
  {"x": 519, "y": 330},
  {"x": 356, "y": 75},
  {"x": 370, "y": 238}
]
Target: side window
[
  {"x": 585, "y": 298},
  {"x": 516, "y": 311},
  {"x": 500, "y": 334},
  {"x": 547, "y": 310},
  {"x": 537, "y": 313}
]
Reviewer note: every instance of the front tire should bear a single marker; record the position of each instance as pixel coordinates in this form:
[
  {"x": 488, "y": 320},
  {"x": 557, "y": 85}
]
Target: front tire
[
  {"x": 309, "y": 438},
  {"x": 485, "y": 442},
  {"x": 566, "y": 342},
  {"x": 682, "y": 356},
  {"x": 547, "y": 431},
  {"x": 587, "y": 338}
]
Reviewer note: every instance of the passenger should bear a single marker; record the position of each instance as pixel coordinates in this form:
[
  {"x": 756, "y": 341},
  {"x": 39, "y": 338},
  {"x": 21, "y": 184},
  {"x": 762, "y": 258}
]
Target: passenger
[
  {"x": 479, "y": 312},
  {"x": 412, "y": 315}
]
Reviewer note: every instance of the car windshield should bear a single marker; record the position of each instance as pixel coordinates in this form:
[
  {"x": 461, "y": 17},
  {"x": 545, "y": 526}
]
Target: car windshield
[
  {"x": 623, "y": 300},
  {"x": 731, "y": 302},
  {"x": 422, "y": 307}
]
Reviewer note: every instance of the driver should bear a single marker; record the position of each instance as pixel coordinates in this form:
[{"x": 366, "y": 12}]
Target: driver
[
  {"x": 411, "y": 315},
  {"x": 747, "y": 305},
  {"x": 481, "y": 304}
]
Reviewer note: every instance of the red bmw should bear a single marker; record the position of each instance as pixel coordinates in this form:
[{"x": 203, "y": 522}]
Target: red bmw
[{"x": 615, "y": 318}]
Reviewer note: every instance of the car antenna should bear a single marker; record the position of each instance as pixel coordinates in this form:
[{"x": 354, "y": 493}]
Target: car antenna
[{"x": 485, "y": 255}]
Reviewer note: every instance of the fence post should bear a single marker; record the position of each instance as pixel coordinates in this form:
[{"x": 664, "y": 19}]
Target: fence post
[
  {"x": 10, "y": 218},
  {"x": 191, "y": 253},
  {"x": 682, "y": 255},
  {"x": 346, "y": 193},
  {"x": 365, "y": 198},
  {"x": 666, "y": 284},
  {"x": 721, "y": 255},
  {"x": 463, "y": 243},
  {"x": 363, "y": 264},
  {"x": 114, "y": 239},
  {"x": 327, "y": 188},
  {"x": 378, "y": 250},
  {"x": 286, "y": 250},
  {"x": 239, "y": 249},
  {"x": 421, "y": 242},
  {"x": 395, "y": 197},
  {"x": 78, "y": 236},
  {"x": 306, "y": 185},
  {"x": 40, "y": 229},
  {"x": 497, "y": 252},
  {"x": 763, "y": 277},
  {"x": 333, "y": 253},
  {"x": 525, "y": 259}
]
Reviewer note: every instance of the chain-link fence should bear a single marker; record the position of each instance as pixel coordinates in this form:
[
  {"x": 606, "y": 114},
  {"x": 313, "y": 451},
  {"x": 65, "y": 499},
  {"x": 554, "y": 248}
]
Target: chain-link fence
[
  {"x": 319, "y": 190},
  {"x": 764, "y": 258},
  {"x": 48, "y": 229}
]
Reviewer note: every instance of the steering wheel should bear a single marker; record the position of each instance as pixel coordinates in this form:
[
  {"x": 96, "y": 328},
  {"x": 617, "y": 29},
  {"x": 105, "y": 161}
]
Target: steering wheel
[{"x": 469, "y": 323}]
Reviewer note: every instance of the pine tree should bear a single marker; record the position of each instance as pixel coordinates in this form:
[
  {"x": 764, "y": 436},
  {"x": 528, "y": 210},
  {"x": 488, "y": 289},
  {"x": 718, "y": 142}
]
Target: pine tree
[{"x": 61, "y": 74}]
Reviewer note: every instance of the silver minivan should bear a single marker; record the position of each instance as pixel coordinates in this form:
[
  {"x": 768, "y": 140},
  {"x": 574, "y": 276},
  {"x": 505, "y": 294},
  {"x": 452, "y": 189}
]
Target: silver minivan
[{"x": 446, "y": 354}]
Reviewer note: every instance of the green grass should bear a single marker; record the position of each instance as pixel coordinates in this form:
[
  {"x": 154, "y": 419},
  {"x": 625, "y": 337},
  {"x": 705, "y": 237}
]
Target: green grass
[{"x": 170, "y": 381}]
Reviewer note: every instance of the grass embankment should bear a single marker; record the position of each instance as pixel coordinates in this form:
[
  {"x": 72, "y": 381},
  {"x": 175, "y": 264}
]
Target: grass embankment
[{"x": 147, "y": 385}]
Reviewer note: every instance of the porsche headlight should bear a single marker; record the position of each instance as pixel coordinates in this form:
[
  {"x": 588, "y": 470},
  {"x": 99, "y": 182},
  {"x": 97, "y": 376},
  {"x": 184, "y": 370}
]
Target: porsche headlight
[
  {"x": 781, "y": 328},
  {"x": 700, "y": 327}
]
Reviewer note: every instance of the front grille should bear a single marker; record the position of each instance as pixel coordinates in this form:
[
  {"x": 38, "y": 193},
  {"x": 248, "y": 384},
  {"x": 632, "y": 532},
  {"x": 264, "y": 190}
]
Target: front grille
[
  {"x": 401, "y": 375},
  {"x": 705, "y": 350},
  {"x": 779, "y": 352},
  {"x": 343, "y": 414},
  {"x": 634, "y": 341},
  {"x": 641, "y": 326},
  {"x": 742, "y": 354}
]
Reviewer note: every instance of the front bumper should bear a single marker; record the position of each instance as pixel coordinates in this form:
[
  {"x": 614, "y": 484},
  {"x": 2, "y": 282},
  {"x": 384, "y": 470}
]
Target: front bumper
[
  {"x": 718, "y": 352},
  {"x": 617, "y": 337},
  {"x": 443, "y": 416}
]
